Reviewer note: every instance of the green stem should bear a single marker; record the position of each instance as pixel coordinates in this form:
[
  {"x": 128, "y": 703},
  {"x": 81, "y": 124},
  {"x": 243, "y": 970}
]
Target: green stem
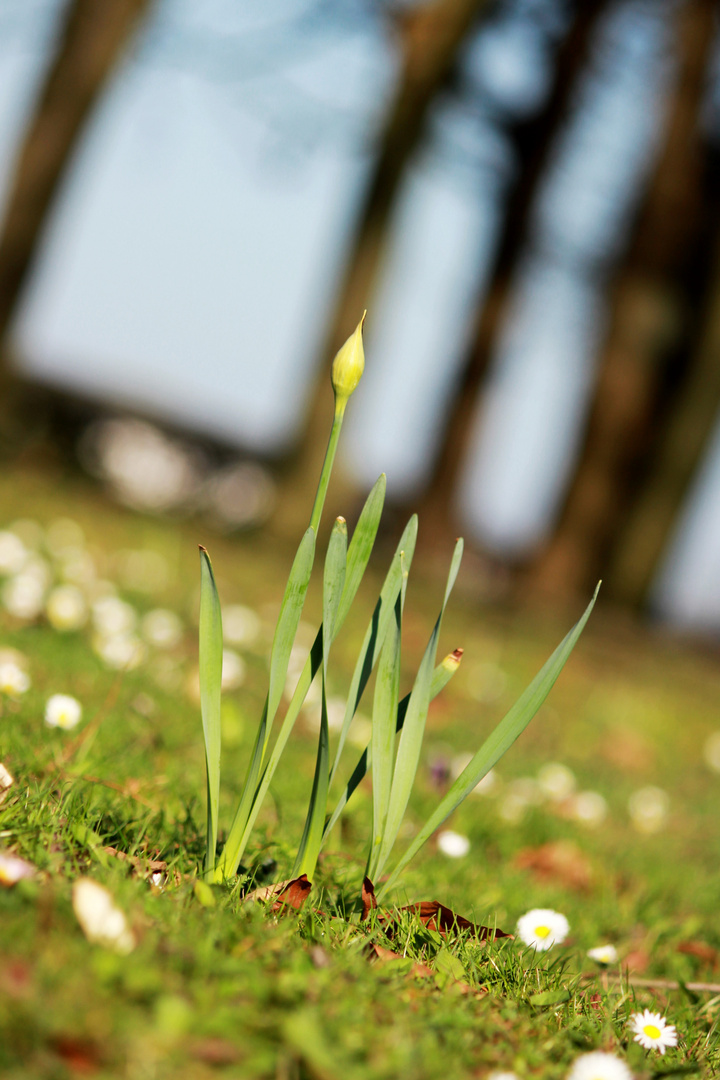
[{"x": 327, "y": 465}]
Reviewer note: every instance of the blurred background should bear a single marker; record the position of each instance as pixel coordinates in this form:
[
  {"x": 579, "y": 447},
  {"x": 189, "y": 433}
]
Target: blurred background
[{"x": 198, "y": 198}]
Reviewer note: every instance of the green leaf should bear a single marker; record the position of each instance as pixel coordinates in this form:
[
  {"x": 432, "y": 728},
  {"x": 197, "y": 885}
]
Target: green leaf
[
  {"x": 502, "y": 738},
  {"x": 446, "y": 963},
  {"x": 384, "y": 720},
  {"x": 357, "y": 559},
  {"x": 376, "y": 631},
  {"x": 288, "y": 619},
  {"x": 441, "y": 676},
  {"x": 361, "y": 545},
  {"x": 549, "y": 997},
  {"x": 211, "y": 650},
  {"x": 411, "y": 737},
  {"x": 309, "y": 849},
  {"x": 285, "y": 631},
  {"x": 333, "y": 582}
]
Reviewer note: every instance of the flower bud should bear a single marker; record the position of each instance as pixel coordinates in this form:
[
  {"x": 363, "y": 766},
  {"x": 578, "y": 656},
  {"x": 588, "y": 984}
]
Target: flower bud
[{"x": 348, "y": 366}]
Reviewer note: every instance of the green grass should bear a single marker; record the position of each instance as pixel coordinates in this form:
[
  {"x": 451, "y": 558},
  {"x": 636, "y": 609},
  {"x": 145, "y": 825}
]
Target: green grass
[{"x": 233, "y": 990}]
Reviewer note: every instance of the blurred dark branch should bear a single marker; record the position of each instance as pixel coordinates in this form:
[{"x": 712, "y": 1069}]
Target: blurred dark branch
[
  {"x": 534, "y": 140},
  {"x": 650, "y": 318},
  {"x": 684, "y": 433},
  {"x": 90, "y": 43},
  {"x": 430, "y": 38}
]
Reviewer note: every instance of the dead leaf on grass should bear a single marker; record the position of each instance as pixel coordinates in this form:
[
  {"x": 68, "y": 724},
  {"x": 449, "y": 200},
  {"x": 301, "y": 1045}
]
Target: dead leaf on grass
[
  {"x": 560, "y": 861},
  {"x": 701, "y": 951},
  {"x": 80, "y": 1055},
  {"x": 431, "y": 913},
  {"x": 291, "y": 893}
]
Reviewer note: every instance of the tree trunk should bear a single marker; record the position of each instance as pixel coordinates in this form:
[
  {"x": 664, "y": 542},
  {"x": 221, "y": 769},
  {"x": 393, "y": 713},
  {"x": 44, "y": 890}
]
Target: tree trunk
[
  {"x": 650, "y": 317},
  {"x": 430, "y": 39},
  {"x": 534, "y": 141},
  {"x": 90, "y": 43},
  {"x": 679, "y": 451}
]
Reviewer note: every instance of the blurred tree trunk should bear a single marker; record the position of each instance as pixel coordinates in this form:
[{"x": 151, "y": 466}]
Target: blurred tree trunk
[
  {"x": 92, "y": 38},
  {"x": 650, "y": 315},
  {"x": 678, "y": 452},
  {"x": 534, "y": 141},
  {"x": 430, "y": 38}
]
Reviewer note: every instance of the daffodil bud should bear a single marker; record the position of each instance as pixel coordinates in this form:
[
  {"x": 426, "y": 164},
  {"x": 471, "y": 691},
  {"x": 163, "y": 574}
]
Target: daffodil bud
[{"x": 348, "y": 366}]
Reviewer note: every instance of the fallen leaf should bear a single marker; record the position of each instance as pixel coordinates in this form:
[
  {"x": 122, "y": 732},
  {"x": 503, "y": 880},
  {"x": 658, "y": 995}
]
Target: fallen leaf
[
  {"x": 215, "y": 1051},
  {"x": 432, "y": 914},
  {"x": 369, "y": 900},
  {"x": 637, "y": 961},
  {"x": 80, "y": 1055},
  {"x": 437, "y": 916},
  {"x": 560, "y": 861},
  {"x": 701, "y": 951},
  {"x": 294, "y": 894},
  {"x": 380, "y": 953}
]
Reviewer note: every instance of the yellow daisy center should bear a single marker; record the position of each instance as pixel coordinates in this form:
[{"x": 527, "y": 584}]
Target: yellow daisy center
[
  {"x": 542, "y": 931},
  {"x": 651, "y": 1031}
]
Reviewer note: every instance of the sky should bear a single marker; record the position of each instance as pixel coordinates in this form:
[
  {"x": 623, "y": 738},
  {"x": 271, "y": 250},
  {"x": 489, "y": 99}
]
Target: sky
[{"x": 191, "y": 264}]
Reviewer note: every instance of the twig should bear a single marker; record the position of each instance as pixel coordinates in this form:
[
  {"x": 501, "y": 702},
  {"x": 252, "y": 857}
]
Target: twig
[{"x": 655, "y": 984}]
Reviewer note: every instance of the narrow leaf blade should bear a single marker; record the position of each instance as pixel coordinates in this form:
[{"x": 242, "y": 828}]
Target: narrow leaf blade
[
  {"x": 377, "y": 628},
  {"x": 441, "y": 677},
  {"x": 501, "y": 739},
  {"x": 410, "y": 746},
  {"x": 361, "y": 545},
  {"x": 210, "y": 660}
]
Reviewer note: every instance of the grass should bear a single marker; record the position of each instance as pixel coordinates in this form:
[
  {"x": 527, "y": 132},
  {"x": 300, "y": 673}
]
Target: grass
[{"x": 230, "y": 989}]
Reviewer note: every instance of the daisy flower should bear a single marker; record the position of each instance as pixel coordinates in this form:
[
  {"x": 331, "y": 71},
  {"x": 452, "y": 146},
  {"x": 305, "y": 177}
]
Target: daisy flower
[
  {"x": 13, "y": 680},
  {"x": 604, "y": 954},
  {"x": 652, "y": 1031},
  {"x": 13, "y": 869},
  {"x": 101, "y": 920},
  {"x": 542, "y": 928},
  {"x": 599, "y": 1066},
  {"x": 63, "y": 711},
  {"x": 453, "y": 844}
]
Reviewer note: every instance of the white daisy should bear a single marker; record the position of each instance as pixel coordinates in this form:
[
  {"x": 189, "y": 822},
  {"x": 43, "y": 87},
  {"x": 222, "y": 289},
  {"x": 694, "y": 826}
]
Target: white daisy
[
  {"x": 453, "y": 844},
  {"x": 100, "y": 919},
  {"x": 13, "y": 680},
  {"x": 599, "y": 1066},
  {"x": 502, "y": 1076},
  {"x": 556, "y": 781},
  {"x": 63, "y": 711},
  {"x": 66, "y": 608},
  {"x": 22, "y": 596},
  {"x": 14, "y": 869},
  {"x": 604, "y": 954},
  {"x": 6, "y": 782},
  {"x": 542, "y": 928},
  {"x": 652, "y": 1031}
]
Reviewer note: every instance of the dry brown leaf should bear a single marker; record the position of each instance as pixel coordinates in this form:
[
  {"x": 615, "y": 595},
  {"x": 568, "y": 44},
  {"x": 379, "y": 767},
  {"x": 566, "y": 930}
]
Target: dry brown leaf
[
  {"x": 701, "y": 951},
  {"x": 294, "y": 894},
  {"x": 378, "y": 952},
  {"x": 369, "y": 900},
  {"x": 560, "y": 861},
  {"x": 431, "y": 913},
  {"x": 80, "y": 1055}
]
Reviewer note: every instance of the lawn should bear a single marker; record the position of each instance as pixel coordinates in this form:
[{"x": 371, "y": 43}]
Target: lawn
[{"x": 604, "y": 811}]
